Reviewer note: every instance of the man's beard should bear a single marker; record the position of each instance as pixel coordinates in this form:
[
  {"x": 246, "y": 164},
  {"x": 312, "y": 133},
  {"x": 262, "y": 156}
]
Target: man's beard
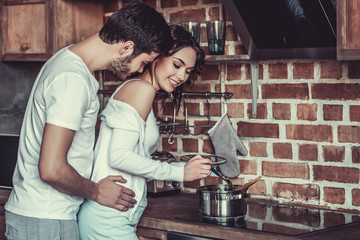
[{"x": 120, "y": 67}]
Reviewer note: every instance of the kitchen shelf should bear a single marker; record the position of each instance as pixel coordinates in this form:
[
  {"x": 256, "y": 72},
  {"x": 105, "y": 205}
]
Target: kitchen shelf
[
  {"x": 254, "y": 72},
  {"x": 227, "y": 58}
]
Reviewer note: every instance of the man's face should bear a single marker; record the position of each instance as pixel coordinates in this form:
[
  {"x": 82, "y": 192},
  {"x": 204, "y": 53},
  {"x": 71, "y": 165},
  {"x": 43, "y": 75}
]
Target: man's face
[{"x": 121, "y": 68}]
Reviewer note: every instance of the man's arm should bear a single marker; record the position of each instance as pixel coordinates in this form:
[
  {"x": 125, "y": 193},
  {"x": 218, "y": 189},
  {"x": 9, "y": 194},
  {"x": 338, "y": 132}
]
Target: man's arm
[{"x": 55, "y": 170}]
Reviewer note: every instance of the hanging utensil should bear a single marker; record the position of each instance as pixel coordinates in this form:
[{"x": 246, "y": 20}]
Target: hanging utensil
[
  {"x": 230, "y": 185},
  {"x": 247, "y": 185}
]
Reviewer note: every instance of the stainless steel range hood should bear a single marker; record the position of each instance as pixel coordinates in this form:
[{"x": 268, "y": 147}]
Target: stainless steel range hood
[{"x": 285, "y": 29}]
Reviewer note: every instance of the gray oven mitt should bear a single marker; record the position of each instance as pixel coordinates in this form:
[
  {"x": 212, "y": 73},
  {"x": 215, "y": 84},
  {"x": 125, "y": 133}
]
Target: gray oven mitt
[{"x": 226, "y": 143}]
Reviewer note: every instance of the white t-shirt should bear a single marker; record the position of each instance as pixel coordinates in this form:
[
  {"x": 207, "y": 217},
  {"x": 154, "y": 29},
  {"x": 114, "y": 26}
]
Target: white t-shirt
[{"x": 64, "y": 94}]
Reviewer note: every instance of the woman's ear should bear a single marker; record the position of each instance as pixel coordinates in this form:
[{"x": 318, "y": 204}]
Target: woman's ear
[{"x": 127, "y": 48}]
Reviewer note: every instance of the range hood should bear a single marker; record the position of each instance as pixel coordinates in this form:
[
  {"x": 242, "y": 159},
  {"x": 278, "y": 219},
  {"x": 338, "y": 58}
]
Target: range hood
[{"x": 285, "y": 29}]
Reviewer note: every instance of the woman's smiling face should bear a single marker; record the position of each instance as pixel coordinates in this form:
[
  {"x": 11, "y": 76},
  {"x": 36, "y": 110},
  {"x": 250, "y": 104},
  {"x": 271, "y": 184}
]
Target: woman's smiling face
[{"x": 172, "y": 71}]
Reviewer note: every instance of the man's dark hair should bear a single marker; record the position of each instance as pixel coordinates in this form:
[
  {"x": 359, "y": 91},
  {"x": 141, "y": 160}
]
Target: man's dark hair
[{"x": 141, "y": 24}]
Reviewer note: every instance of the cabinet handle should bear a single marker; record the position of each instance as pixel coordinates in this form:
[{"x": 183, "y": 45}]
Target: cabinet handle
[{"x": 25, "y": 46}]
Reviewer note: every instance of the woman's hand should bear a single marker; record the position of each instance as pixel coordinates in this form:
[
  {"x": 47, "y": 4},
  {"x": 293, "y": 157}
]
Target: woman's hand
[{"x": 197, "y": 168}]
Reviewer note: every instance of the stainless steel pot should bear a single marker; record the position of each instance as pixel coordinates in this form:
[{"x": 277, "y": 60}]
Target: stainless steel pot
[{"x": 217, "y": 202}]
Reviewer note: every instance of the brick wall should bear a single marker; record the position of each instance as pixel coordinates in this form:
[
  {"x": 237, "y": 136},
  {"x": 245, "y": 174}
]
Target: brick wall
[{"x": 305, "y": 140}]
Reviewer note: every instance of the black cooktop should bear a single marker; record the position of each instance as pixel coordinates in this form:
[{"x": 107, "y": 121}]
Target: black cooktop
[{"x": 283, "y": 219}]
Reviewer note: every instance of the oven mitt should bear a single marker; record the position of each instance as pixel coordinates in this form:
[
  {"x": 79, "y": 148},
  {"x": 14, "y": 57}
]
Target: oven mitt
[{"x": 226, "y": 143}]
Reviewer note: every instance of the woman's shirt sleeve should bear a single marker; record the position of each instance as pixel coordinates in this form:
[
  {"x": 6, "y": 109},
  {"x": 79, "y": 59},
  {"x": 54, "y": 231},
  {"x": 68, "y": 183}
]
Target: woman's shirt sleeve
[{"x": 124, "y": 148}]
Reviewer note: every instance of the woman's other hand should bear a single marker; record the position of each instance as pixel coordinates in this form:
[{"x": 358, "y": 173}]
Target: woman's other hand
[{"x": 197, "y": 168}]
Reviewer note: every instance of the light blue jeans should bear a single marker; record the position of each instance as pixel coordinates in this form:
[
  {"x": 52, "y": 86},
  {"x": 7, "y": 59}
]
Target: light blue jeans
[
  {"x": 97, "y": 222},
  {"x": 28, "y": 228}
]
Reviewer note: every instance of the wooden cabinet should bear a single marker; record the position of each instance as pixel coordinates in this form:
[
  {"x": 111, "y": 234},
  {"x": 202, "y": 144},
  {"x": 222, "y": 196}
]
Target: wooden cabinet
[
  {"x": 33, "y": 30},
  {"x": 348, "y": 30}
]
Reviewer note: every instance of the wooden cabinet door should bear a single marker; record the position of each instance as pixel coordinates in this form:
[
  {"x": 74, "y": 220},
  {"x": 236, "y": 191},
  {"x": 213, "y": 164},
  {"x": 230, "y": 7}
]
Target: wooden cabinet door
[
  {"x": 25, "y": 30},
  {"x": 348, "y": 32}
]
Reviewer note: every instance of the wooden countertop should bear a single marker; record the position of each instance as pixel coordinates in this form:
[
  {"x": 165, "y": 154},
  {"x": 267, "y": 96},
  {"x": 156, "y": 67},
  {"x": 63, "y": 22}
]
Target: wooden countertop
[{"x": 163, "y": 213}]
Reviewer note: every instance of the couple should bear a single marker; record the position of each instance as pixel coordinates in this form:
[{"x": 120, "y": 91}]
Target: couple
[{"x": 56, "y": 157}]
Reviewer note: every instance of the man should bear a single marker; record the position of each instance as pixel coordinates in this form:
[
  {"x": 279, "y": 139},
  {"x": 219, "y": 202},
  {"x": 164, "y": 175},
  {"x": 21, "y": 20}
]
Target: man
[{"x": 56, "y": 141}]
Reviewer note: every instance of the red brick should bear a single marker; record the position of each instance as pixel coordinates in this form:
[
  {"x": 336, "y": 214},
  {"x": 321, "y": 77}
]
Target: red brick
[
  {"x": 194, "y": 15},
  {"x": 190, "y": 145},
  {"x": 304, "y": 192},
  {"x": 198, "y": 88},
  {"x": 285, "y": 91},
  {"x": 332, "y": 112},
  {"x": 285, "y": 170},
  {"x": 193, "y": 108},
  {"x": 281, "y": 111},
  {"x": 334, "y": 195},
  {"x": 168, "y": 3},
  {"x": 282, "y": 150},
  {"x": 261, "y": 111},
  {"x": 203, "y": 37},
  {"x": 169, "y": 147},
  {"x": 193, "y": 184},
  {"x": 234, "y": 72},
  {"x": 168, "y": 108},
  {"x": 318, "y": 133},
  {"x": 211, "y": 180},
  {"x": 355, "y": 113},
  {"x": 239, "y": 50},
  {"x": 155, "y": 108},
  {"x": 349, "y": 134},
  {"x": 151, "y": 3},
  {"x": 231, "y": 33},
  {"x": 355, "y": 193},
  {"x": 200, "y": 127},
  {"x": 332, "y": 219},
  {"x": 111, "y": 6},
  {"x": 248, "y": 71},
  {"x": 331, "y": 70},
  {"x": 108, "y": 77},
  {"x": 278, "y": 71},
  {"x": 336, "y": 174},
  {"x": 308, "y": 152},
  {"x": 235, "y": 110},
  {"x": 335, "y": 91},
  {"x": 208, "y": 147},
  {"x": 307, "y": 112},
  {"x": 258, "y": 149},
  {"x": 355, "y": 153},
  {"x": 266, "y": 130},
  {"x": 214, "y": 13},
  {"x": 210, "y": 72},
  {"x": 240, "y": 91},
  {"x": 179, "y": 129},
  {"x": 258, "y": 188},
  {"x": 248, "y": 167},
  {"x": 303, "y": 70},
  {"x": 189, "y": 2},
  {"x": 333, "y": 153},
  {"x": 354, "y": 69},
  {"x": 215, "y": 109}
]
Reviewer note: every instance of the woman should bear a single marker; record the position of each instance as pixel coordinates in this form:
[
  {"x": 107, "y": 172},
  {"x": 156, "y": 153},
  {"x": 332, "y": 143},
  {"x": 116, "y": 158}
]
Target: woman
[{"x": 129, "y": 134}]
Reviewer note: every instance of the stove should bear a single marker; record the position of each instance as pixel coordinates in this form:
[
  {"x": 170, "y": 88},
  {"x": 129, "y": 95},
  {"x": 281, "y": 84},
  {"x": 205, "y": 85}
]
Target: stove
[
  {"x": 156, "y": 188},
  {"x": 282, "y": 218}
]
